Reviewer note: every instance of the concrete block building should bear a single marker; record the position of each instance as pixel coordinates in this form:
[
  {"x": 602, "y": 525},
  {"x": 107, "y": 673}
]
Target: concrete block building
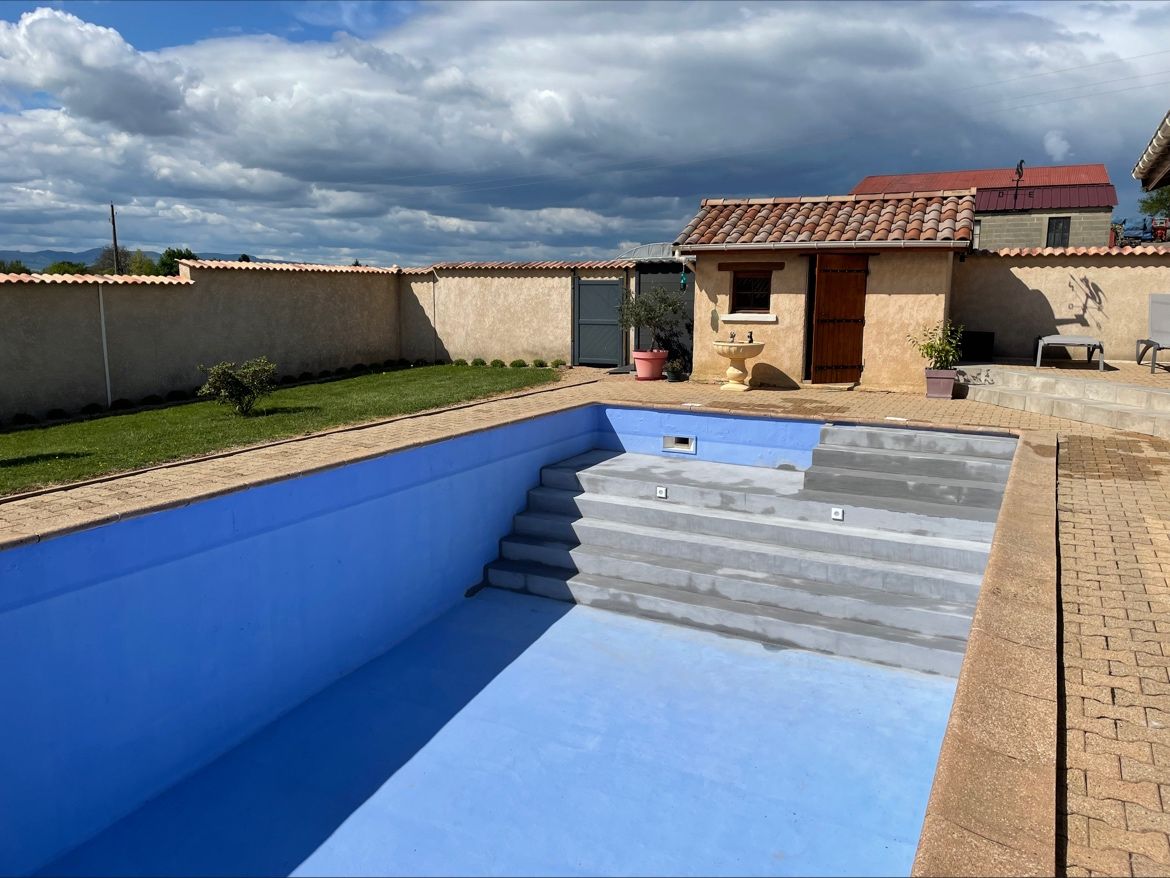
[{"x": 1057, "y": 206}]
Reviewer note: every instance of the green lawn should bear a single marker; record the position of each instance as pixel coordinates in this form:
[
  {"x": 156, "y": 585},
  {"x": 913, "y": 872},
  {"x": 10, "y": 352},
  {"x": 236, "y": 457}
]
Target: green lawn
[{"x": 32, "y": 458}]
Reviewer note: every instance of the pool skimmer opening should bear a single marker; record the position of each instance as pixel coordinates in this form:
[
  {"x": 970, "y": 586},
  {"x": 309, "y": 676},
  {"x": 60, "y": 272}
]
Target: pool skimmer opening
[{"x": 679, "y": 444}]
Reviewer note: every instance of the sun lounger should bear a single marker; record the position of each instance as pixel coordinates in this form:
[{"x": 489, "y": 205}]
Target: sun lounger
[
  {"x": 1073, "y": 341},
  {"x": 1159, "y": 330}
]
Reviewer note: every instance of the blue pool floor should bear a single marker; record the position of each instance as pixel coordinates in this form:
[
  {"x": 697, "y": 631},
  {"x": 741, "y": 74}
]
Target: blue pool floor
[{"x": 516, "y": 735}]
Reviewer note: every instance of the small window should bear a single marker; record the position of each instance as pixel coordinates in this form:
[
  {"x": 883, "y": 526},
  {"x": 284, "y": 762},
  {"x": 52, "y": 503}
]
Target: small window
[
  {"x": 751, "y": 292},
  {"x": 975, "y": 235},
  {"x": 1058, "y": 229}
]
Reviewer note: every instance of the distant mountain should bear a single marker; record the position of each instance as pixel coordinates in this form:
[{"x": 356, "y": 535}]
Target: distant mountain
[{"x": 38, "y": 260}]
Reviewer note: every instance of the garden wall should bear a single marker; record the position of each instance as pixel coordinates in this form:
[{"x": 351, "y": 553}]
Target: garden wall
[
  {"x": 1023, "y": 294},
  {"x": 158, "y": 330}
]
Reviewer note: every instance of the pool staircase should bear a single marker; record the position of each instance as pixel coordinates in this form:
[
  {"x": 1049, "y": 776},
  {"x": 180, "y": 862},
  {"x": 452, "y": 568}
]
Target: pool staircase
[
  {"x": 757, "y": 552},
  {"x": 1132, "y": 407}
]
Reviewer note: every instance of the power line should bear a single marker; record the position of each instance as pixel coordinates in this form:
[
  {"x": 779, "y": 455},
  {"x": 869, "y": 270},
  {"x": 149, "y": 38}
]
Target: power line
[
  {"x": 1063, "y": 70},
  {"x": 1095, "y": 94},
  {"x": 1071, "y": 88}
]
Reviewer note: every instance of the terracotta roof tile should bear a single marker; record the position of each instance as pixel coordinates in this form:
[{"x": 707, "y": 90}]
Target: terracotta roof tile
[
  {"x": 922, "y": 218},
  {"x": 286, "y": 266},
  {"x": 90, "y": 279},
  {"x": 1141, "y": 250}
]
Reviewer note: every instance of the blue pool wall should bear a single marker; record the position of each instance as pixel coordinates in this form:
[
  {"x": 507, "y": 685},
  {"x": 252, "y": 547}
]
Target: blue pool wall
[{"x": 137, "y": 652}]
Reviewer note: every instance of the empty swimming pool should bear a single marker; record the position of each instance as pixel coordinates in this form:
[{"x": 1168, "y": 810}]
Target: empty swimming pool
[{"x": 290, "y": 679}]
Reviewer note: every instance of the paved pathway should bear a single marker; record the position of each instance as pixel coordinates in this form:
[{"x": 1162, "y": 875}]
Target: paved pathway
[{"x": 1114, "y": 520}]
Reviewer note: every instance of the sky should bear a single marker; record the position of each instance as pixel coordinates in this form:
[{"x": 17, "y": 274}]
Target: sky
[{"x": 412, "y": 132}]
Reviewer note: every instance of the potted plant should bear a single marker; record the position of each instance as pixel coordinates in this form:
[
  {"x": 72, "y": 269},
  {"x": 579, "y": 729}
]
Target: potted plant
[
  {"x": 939, "y": 346},
  {"x": 658, "y": 310},
  {"x": 676, "y": 369}
]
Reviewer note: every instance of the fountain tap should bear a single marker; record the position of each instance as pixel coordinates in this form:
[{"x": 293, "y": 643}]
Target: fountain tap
[
  {"x": 750, "y": 337},
  {"x": 733, "y": 335}
]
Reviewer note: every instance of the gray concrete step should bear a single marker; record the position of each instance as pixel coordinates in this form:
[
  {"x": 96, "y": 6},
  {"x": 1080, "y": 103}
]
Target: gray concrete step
[
  {"x": 823, "y": 536},
  {"x": 909, "y": 612},
  {"x": 920, "y": 463},
  {"x": 921, "y": 441},
  {"x": 907, "y": 579},
  {"x": 1065, "y": 386},
  {"x": 928, "y": 489},
  {"x": 750, "y": 489},
  {"x": 860, "y": 640},
  {"x": 1106, "y": 413}
]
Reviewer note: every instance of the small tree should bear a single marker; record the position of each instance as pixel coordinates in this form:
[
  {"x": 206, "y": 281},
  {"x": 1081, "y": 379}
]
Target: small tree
[
  {"x": 141, "y": 264},
  {"x": 660, "y": 310},
  {"x": 67, "y": 267},
  {"x": 104, "y": 264},
  {"x": 239, "y": 387},
  {"x": 244, "y": 257},
  {"x": 938, "y": 344},
  {"x": 168, "y": 263},
  {"x": 13, "y": 267},
  {"x": 1157, "y": 203}
]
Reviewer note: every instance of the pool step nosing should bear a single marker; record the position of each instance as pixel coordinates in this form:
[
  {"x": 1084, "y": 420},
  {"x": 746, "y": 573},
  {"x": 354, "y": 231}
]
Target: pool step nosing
[
  {"x": 898, "y": 485},
  {"x": 934, "y": 551},
  {"x": 779, "y": 560},
  {"x": 859, "y": 640},
  {"x": 821, "y": 599}
]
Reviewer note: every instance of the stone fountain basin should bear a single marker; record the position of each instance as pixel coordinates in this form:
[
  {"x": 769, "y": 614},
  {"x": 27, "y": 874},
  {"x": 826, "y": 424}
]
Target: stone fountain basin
[{"x": 739, "y": 350}]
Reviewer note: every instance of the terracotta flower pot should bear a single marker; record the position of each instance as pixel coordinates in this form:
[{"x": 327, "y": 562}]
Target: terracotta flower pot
[
  {"x": 649, "y": 364},
  {"x": 940, "y": 383}
]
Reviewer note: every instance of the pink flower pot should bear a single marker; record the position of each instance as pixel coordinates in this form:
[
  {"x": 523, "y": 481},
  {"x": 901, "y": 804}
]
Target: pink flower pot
[
  {"x": 649, "y": 364},
  {"x": 940, "y": 383}
]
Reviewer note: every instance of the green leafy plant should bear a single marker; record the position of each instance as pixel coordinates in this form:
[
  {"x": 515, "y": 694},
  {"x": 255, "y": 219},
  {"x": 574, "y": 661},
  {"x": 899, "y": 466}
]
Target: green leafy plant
[
  {"x": 479, "y": 361},
  {"x": 497, "y": 364},
  {"x": 938, "y": 343},
  {"x": 558, "y": 363},
  {"x": 538, "y": 363},
  {"x": 519, "y": 364},
  {"x": 676, "y": 369},
  {"x": 239, "y": 387},
  {"x": 660, "y": 310},
  {"x": 459, "y": 362}
]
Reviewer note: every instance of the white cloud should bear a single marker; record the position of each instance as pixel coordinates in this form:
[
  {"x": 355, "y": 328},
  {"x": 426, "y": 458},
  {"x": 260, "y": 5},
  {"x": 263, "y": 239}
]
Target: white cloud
[{"x": 1056, "y": 145}]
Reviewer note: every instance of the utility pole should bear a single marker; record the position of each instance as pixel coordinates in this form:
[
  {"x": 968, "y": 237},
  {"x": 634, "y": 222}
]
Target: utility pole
[
  {"x": 114, "y": 226},
  {"x": 1019, "y": 177}
]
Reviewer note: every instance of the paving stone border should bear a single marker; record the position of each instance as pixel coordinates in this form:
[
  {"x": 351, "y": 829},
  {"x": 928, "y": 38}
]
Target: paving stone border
[{"x": 992, "y": 809}]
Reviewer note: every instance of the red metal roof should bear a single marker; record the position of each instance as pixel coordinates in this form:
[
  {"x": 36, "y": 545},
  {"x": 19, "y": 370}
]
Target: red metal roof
[
  {"x": 1045, "y": 198},
  {"x": 984, "y": 178},
  {"x": 923, "y": 219}
]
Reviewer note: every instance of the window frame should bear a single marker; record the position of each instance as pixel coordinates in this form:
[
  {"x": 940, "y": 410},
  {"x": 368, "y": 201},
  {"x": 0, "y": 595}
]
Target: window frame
[
  {"x": 1064, "y": 229},
  {"x": 762, "y": 274}
]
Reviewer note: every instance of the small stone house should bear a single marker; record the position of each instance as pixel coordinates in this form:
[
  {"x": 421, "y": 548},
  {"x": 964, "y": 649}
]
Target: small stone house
[
  {"x": 1055, "y": 206},
  {"x": 831, "y": 284}
]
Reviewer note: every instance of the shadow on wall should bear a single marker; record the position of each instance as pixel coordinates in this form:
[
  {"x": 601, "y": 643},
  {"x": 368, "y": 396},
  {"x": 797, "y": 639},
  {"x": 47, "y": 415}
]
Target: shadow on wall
[
  {"x": 767, "y": 375},
  {"x": 1019, "y": 314},
  {"x": 267, "y": 805},
  {"x": 419, "y": 336}
]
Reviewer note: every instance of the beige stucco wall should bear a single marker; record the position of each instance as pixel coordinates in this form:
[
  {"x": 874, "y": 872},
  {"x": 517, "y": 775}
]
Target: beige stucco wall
[
  {"x": 1088, "y": 228},
  {"x": 158, "y": 334},
  {"x": 50, "y": 348},
  {"x": 782, "y": 362},
  {"x": 1021, "y": 298},
  {"x": 903, "y": 291},
  {"x": 511, "y": 314}
]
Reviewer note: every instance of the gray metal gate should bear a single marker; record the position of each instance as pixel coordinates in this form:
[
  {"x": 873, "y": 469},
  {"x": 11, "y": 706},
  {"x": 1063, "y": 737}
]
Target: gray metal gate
[{"x": 597, "y": 338}]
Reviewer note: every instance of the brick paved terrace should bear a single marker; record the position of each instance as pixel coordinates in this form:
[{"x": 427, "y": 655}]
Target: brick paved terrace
[{"x": 1113, "y": 522}]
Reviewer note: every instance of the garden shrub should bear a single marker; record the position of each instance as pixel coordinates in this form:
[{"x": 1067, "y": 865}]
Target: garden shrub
[
  {"x": 359, "y": 369},
  {"x": 239, "y": 387},
  {"x": 558, "y": 363},
  {"x": 459, "y": 362},
  {"x": 21, "y": 418},
  {"x": 284, "y": 379},
  {"x": 479, "y": 361},
  {"x": 402, "y": 363},
  {"x": 325, "y": 373},
  {"x": 422, "y": 362},
  {"x": 538, "y": 363},
  {"x": 120, "y": 405},
  {"x": 183, "y": 395},
  {"x": 519, "y": 364},
  {"x": 306, "y": 376},
  {"x": 93, "y": 408},
  {"x": 497, "y": 364},
  {"x": 153, "y": 399},
  {"x": 56, "y": 415}
]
